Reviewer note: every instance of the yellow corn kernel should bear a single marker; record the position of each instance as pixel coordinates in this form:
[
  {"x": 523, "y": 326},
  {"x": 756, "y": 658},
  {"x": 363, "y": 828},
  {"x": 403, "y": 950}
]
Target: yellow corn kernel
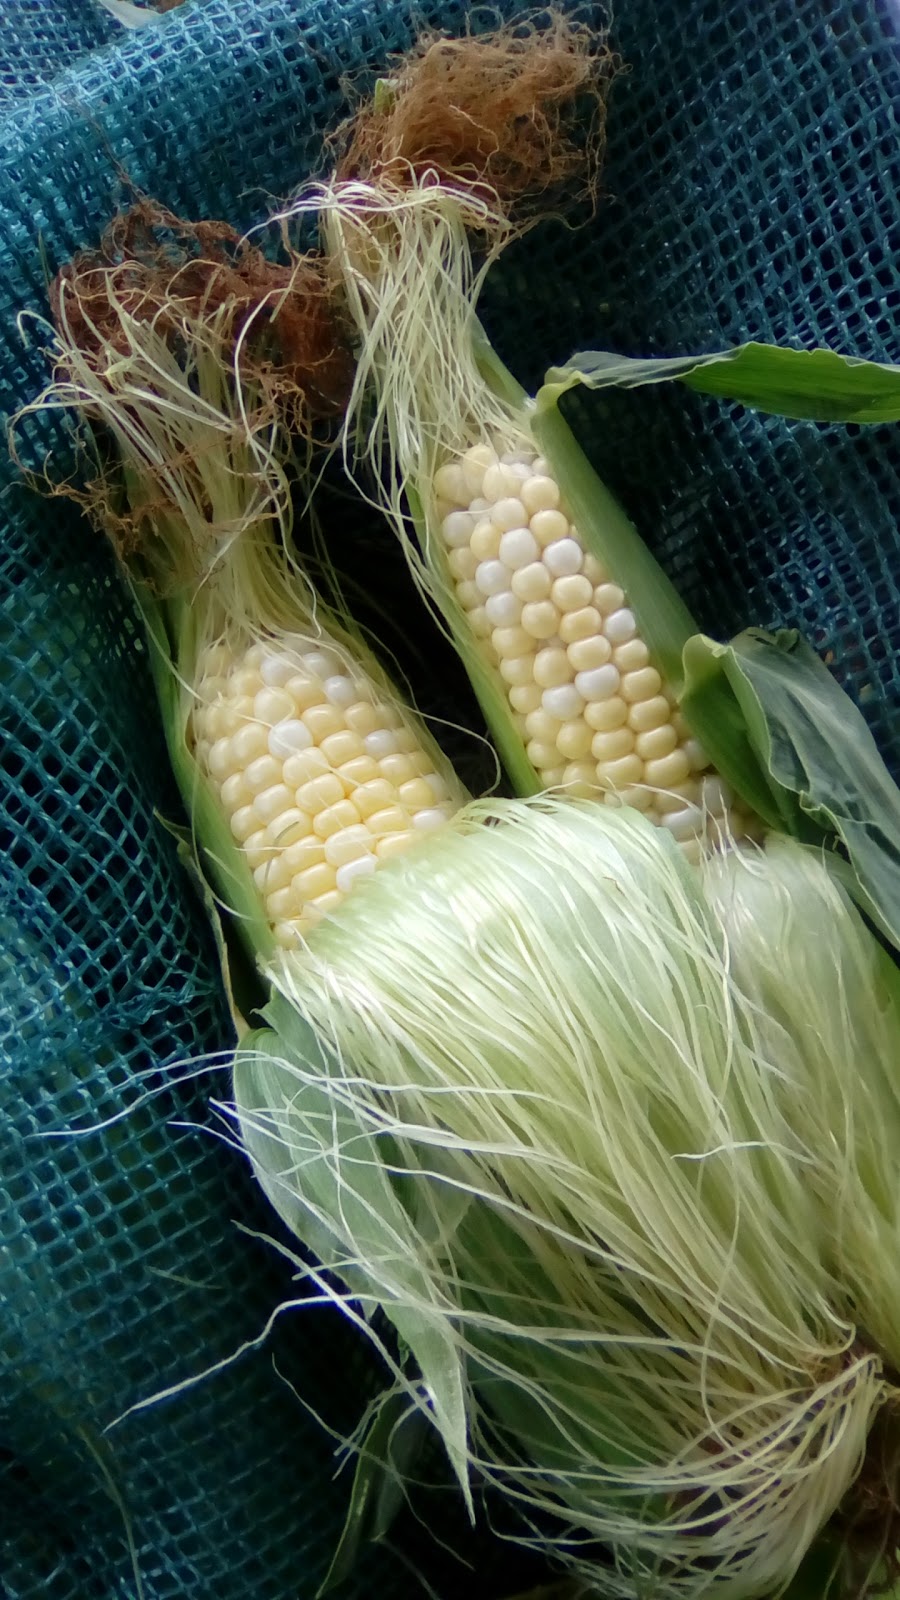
[
  {"x": 250, "y": 741},
  {"x": 361, "y": 718},
  {"x": 572, "y": 593},
  {"x": 548, "y": 526},
  {"x": 273, "y": 705},
  {"x": 320, "y": 792},
  {"x": 341, "y": 747},
  {"x": 322, "y": 721},
  {"x": 236, "y": 792},
  {"x": 263, "y": 772},
  {"x": 552, "y": 667},
  {"x": 375, "y": 796},
  {"x": 590, "y": 651},
  {"x": 574, "y": 739},
  {"x": 541, "y": 755},
  {"x": 397, "y": 769},
  {"x": 314, "y": 881},
  {"x": 360, "y": 770},
  {"x": 647, "y": 714},
  {"x": 393, "y": 844},
  {"x": 580, "y": 778},
  {"x": 668, "y": 771},
  {"x": 644, "y": 684},
  {"x": 621, "y": 774},
  {"x": 610, "y": 746},
  {"x": 604, "y": 715},
  {"x": 630, "y": 656},
  {"x": 289, "y": 827},
  {"x": 244, "y": 822},
  {"x": 393, "y": 819},
  {"x": 656, "y": 742},
  {"x": 540, "y": 619},
  {"x": 343, "y": 814},
  {"x": 576, "y": 626},
  {"x": 281, "y": 903},
  {"x": 270, "y": 803},
  {"x": 608, "y": 597},
  {"x": 303, "y": 768},
  {"x": 349, "y": 844},
  {"x": 257, "y": 849},
  {"x": 415, "y": 795}
]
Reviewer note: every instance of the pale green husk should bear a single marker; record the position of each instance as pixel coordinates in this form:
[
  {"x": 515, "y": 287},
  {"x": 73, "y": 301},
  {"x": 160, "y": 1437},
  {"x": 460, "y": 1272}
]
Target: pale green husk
[{"x": 536, "y": 1113}]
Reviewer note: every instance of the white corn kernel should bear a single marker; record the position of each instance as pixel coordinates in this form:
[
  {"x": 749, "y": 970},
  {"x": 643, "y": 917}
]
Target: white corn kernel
[
  {"x": 518, "y": 548},
  {"x": 492, "y": 577},
  {"x": 457, "y": 529},
  {"x": 508, "y": 513},
  {"x": 289, "y": 738},
  {"x": 564, "y": 703},
  {"x": 275, "y": 670},
  {"x": 696, "y": 755},
  {"x": 685, "y": 823},
  {"x": 429, "y": 817},
  {"x": 346, "y": 875},
  {"x": 503, "y": 610},
  {"x": 564, "y": 559},
  {"x": 620, "y": 626},
  {"x": 715, "y": 796},
  {"x": 340, "y": 690},
  {"x": 381, "y": 742},
  {"x": 599, "y": 682}
]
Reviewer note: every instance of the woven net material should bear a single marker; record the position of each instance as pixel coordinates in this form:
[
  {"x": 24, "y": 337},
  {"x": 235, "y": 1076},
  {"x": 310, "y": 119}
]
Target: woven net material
[{"x": 753, "y": 191}]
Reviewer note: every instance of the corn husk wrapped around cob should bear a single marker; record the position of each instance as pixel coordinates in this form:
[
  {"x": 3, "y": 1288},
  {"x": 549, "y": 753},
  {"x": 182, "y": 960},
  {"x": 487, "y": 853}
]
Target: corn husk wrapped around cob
[
  {"x": 605, "y": 1145},
  {"x": 300, "y": 766},
  {"x": 570, "y": 633}
]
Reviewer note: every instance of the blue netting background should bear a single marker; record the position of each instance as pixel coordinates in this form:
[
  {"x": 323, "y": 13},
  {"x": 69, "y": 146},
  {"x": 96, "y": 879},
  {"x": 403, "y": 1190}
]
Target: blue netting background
[{"x": 754, "y": 190}]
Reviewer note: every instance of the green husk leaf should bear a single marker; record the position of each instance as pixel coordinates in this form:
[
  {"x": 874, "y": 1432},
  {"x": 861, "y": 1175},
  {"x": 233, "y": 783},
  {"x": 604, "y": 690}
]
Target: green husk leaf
[
  {"x": 664, "y": 620},
  {"x": 777, "y": 724},
  {"x": 814, "y": 385},
  {"x": 171, "y": 628},
  {"x": 283, "y": 1115},
  {"x": 388, "y": 1451}
]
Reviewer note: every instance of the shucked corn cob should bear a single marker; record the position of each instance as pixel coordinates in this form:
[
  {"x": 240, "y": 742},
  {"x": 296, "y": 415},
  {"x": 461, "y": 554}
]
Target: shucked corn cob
[
  {"x": 587, "y": 701},
  {"x": 320, "y": 776}
]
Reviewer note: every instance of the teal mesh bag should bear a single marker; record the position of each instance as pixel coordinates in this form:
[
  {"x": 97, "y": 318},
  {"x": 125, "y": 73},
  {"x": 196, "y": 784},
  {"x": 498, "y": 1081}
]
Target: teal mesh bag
[{"x": 753, "y": 181}]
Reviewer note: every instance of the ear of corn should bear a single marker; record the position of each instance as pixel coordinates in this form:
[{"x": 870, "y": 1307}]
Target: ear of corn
[{"x": 301, "y": 768}]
